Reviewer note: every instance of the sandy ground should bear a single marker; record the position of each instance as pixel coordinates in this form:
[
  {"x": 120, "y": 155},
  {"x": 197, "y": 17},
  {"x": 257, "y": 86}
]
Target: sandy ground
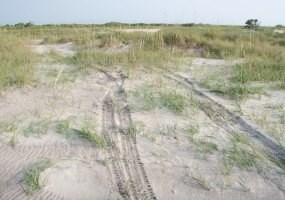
[{"x": 159, "y": 163}]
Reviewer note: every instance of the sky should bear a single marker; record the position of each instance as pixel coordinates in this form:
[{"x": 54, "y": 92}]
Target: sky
[{"x": 231, "y": 12}]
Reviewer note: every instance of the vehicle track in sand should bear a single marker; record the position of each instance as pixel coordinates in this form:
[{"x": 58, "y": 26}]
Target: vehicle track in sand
[
  {"x": 226, "y": 119},
  {"x": 125, "y": 164}
]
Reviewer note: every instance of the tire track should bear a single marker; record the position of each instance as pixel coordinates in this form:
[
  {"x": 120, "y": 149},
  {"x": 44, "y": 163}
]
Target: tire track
[
  {"x": 227, "y": 120},
  {"x": 126, "y": 165}
]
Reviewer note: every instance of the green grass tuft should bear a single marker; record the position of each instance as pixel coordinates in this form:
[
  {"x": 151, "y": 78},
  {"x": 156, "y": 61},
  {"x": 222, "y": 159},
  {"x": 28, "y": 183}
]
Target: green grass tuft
[
  {"x": 173, "y": 101},
  {"x": 32, "y": 176},
  {"x": 90, "y": 133}
]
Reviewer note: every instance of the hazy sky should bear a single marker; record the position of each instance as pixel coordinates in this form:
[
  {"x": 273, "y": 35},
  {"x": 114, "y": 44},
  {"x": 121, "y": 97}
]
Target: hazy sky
[{"x": 269, "y": 12}]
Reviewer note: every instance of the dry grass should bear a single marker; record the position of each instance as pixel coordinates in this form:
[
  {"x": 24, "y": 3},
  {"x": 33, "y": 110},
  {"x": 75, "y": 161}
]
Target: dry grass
[{"x": 17, "y": 60}]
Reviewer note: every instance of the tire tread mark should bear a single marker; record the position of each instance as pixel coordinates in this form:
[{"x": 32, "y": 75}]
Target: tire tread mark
[
  {"x": 227, "y": 119},
  {"x": 127, "y": 167}
]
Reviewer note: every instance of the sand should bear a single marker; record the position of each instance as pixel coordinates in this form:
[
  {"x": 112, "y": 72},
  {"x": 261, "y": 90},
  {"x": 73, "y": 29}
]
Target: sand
[{"x": 158, "y": 163}]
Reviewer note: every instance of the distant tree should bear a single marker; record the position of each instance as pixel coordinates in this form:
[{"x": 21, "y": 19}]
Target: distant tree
[
  {"x": 28, "y": 24},
  {"x": 20, "y": 24},
  {"x": 188, "y": 24},
  {"x": 251, "y": 24},
  {"x": 279, "y": 26}
]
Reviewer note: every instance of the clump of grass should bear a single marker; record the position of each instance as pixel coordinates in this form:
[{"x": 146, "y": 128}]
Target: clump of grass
[
  {"x": 135, "y": 129},
  {"x": 38, "y": 127},
  {"x": 201, "y": 183},
  {"x": 174, "y": 101},
  {"x": 89, "y": 132},
  {"x": 201, "y": 146},
  {"x": 8, "y": 126},
  {"x": 32, "y": 176},
  {"x": 148, "y": 97},
  {"x": 63, "y": 126},
  {"x": 14, "y": 139},
  {"x": 243, "y": 153},
  {"x": 228, "y": 165},
  {"x": 241, "y": 91},
  {"x": 192, "y": 131},
  {"x": 265, "y": 70},
  {"x": 168, "y": 129},
  {"x": 150, "y": 135}
]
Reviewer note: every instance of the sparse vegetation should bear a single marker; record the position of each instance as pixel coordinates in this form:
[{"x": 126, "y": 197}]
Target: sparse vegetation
[
  {"x": 89, "y": 132},
  {"x": 32, "y": 178},
  {"x": 63, "y": 126},
  {"x": 148, "y": 97},
  {"x": 38, "y": 127},
  {"x": 259, "y": 66},
  {"x": 173, "y": 101},
  {"x": 14, "y": 139},
  {"x": 244, "y": 154},
  {"x": 201, "y": 146}
]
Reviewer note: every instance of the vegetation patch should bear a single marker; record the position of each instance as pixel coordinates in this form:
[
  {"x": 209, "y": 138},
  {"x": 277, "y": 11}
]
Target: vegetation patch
[
  {"x": 89, "y": 132},
  {"x": 32, "y": 176},
  {"x": 17, "y": 60}
]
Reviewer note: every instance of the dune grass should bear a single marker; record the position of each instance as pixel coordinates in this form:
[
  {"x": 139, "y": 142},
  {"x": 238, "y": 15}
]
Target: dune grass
[
  {"x": 17, "y": 60},
  {"x": 89, "y": 132},
  {"x": 107, "y": 46},
  {"x": 32, "y": 176}
]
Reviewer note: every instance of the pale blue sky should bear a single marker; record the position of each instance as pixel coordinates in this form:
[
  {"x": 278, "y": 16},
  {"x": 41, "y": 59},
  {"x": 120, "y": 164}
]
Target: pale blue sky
[{"x": 269, "y": 12}]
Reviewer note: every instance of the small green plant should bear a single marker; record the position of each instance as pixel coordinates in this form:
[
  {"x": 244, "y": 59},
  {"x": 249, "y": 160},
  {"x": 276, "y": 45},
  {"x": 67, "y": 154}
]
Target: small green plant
[
  {"x": 14, "y": 139},
  {"x": 32, "y": 176},
  {"x": 227, "y": 165},
  {"x": 201, "y": 146},
  {"x": 201, "y": 183},
  {"x": 238, "y": 108},
  {"x": 63, "y": 126},
  {"x": 192, "y": 131},
  {"x": 206, "y": 147},
  {"x": 38, "y": 127},
  {"x": 262, "y": 120},
  {"x": 173, "y": 101},
  {"x": 238, "y": 91},
  {"x": 152, "y": 136},
  {"x": 135, "y": 129},
  {"x": 147, "y": 96},
  {"x": 89, "y": 132},
  {"x": 168, "y": 129},
  {"x": 8, "y": 126},
  {"x": 243, "y": 153}
]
